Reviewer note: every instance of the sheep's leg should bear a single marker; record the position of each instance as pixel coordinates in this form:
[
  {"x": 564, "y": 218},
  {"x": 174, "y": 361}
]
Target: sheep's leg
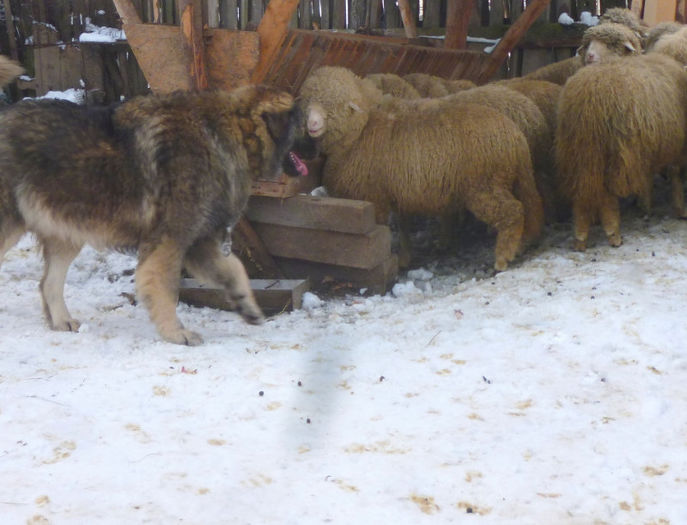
[
  {"x": 501, "y": 210},
  {"x": 405, "y": 250},
  {"x": 677, "y": 192},
  {"x": 582, "y": 221},
  {"x": 610, "y": 219}
]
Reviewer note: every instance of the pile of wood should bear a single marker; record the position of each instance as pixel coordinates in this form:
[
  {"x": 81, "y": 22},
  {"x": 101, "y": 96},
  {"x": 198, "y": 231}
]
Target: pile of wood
[{"x": 325, "y": 239}]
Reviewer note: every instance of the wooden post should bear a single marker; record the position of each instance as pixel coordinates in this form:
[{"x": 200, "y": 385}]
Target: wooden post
[
  {"x": 511, "y": 39},
  {"x": 458, "y": 13},
  {"x": 681, "y": 11},
  {"x": 127, "y": 12},
  {"x": 408, "y": 18},
  {"x": 191, "y": 19},
  {"x": 11, "y": 36},
  {"x": 272, "y": 30}
]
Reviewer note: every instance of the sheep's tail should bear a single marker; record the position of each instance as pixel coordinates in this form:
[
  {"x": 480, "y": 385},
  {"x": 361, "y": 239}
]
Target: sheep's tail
[
  {"x": 525, "y": 191},
  {"x": 9, "y": 70}
]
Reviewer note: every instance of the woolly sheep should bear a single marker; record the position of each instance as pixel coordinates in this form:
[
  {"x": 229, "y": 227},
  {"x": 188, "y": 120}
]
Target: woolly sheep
[
  {"x": 545, "y": 96},
  {"x": 393, "y": 85},
  {"x": 626, "y": 17},
  {"x": 608, "y": 41},
  {"x": 599, "y": 43},
  {"x": 660, "y": 29},
  {"x": 558, "y": 72},
  {"x": 673, "y": 44},
  {"x": 618, "y": 123},
  {"x": 433, "y": 162},
  {"x": 427, "y": 85}
]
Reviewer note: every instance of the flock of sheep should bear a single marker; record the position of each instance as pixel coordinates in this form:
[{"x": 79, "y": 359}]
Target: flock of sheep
[{"x": 573, "y": 137}]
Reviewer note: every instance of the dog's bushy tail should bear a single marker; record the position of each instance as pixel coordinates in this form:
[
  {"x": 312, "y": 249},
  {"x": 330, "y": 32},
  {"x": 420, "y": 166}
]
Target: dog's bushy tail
[{"x": 9, "y": 70}]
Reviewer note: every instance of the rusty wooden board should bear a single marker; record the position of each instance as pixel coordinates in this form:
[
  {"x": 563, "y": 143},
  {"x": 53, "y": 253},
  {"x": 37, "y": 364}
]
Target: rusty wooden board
[
  {"x": 231, "y": 57},
  {"x": 303, "y": 51}
]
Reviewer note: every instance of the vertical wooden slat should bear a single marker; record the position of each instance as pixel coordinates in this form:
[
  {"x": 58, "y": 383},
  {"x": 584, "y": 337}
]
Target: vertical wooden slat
[
  {"x": 458, "y": 14},
  {"x": 191, "y": 17},
  {"x": 127, "y": 12},
  {"x": 338, "y": 13},
  {"x": 681, "y": 11},
  {"x": 408, "y": 18},
  {"x": 11, "y": 37},
  {"x": 432, "y": 14},
  {"x": 391, "y": 14},
  {"x": 272, "y": 30}
]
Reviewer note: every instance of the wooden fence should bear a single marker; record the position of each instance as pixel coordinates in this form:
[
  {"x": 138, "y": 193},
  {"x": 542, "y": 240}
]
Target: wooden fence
[{"x": 44, "y": 34}]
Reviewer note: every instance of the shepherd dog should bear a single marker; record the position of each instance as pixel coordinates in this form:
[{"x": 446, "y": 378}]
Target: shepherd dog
[{"x": 163, "y": 175}]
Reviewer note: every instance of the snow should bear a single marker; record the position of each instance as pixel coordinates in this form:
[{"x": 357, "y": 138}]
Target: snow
[
  {"x": 565, "y": 19},
  {"x": 552, "y": 392},
  {"x": 98, "y": 34}
]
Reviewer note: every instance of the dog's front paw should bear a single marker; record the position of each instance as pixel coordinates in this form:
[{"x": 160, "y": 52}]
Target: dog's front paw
[
  {"x": 66, "y": 325},
  {"x": 183, "y": 337}
]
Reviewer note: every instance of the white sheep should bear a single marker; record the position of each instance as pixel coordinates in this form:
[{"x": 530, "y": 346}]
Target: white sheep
[{"x": 432, "y": 162}]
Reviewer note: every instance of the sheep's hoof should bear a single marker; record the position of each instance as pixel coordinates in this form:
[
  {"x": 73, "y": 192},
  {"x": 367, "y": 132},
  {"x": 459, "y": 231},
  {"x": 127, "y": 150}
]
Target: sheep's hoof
[
  {"x": 579, "y": 246},
  {"x": 615, "y": 240},
  {"x": 501, "y": 264}
]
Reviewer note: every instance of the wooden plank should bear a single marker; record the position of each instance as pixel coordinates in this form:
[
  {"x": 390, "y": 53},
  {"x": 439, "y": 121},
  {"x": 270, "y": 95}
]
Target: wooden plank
[
  {"x": 663, "y": 11},
  {"x": 320, "y": 213},
  {"x": 231, "y": 57},
  {"x": 285, "y": 186},
  {"x": 251, "y": 249},
  {"x": 190, "y": 15},
  {"x": 272, "y": 295},
  {"x": 127, "y": 12},
  {"x": 342, "y": 249},
  {"x": 408, "y": 18},
  {"x": 160, "y": 52},
  {"x": 377, "y": 280},
  {"x": 458, "y": 13},
  {"x": 511, "y": 39},
  {"x": 273, "y": 29}
]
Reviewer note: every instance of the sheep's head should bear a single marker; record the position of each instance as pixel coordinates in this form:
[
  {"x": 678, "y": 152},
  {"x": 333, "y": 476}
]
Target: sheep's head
[
  {"x": 608, "y": 41},
  {"x": 336, "y": 105}
]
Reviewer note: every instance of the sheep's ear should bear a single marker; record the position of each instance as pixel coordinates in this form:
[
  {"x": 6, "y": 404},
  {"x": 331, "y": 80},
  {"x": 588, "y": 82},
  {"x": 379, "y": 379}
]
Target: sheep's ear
[
  {"x": 354, "y": 106},
  {"x": 628, "y": 45},
  {"x": 581, "y": 50}
]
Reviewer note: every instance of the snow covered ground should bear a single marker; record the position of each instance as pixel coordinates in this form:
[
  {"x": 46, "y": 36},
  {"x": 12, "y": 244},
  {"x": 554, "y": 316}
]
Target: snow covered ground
[{"x": 552, "y": 393}]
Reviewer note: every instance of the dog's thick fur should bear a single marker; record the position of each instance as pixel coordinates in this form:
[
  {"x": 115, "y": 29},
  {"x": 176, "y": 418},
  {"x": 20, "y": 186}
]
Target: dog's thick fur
[{"x": 164, "y": 175}]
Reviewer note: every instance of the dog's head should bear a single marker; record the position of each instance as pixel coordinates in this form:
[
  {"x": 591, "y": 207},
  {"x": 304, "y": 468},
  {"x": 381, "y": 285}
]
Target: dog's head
[{"x": 276, "y": 122}]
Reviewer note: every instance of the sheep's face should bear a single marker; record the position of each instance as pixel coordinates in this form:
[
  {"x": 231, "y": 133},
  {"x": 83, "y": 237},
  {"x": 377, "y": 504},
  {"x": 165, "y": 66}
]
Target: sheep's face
[
  {"x": 316, "y": 120},
  {"x": 598, "y": 51}
]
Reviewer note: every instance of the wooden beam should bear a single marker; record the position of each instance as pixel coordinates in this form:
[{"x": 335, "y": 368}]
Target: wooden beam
[
  {"x": 681, "y": 11},
  {"x": 191, "y": 17},
  {"x": 272, "y": 30},
  {"x": 458, "y": 13},
  {"x": 511, "y": 39},
  {"x": 408, "y": 18},
  {"x": 127, "y": 12}
]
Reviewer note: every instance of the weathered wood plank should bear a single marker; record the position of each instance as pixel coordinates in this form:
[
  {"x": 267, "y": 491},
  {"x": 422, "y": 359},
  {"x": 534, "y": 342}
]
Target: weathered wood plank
[
  {"x": 272, "y": 295},
  {"x": 377, "y": 280},
  {"x": 231, "y": 57},
  {"x": 320, "y": 213},
  {"x": 342, "y": 249}
]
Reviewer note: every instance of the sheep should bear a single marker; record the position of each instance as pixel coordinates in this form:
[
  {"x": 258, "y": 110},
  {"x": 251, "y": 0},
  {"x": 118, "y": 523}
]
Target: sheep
[
  {"x": 427, "y": 85},
  {"x": 626, "y": 17},
  {"x": 434, "y": 161},
  {"x": 617, "y": 123},
  {"x": 393, "y": 85},
  {"x": 608, "y": 41},
  {"x": 673, "y": 44},
  {"x": 599, "y": 44},
  {"x": 660, "y": 29},
  {"x": 545, "y": 96},
  {"x": 558, "y": 72}
]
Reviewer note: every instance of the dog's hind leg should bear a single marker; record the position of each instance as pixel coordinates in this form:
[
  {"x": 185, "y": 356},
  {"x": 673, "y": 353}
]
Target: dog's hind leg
[
  {"x": 9, "y": 236},
  {"x": 58, "y": 256},
  {"x": 157, "y": 285},
  {"x": 206, "y": 263}
]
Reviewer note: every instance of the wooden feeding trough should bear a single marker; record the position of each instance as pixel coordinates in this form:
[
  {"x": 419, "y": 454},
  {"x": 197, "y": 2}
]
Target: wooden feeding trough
[{"x": 286, "y": 235}]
